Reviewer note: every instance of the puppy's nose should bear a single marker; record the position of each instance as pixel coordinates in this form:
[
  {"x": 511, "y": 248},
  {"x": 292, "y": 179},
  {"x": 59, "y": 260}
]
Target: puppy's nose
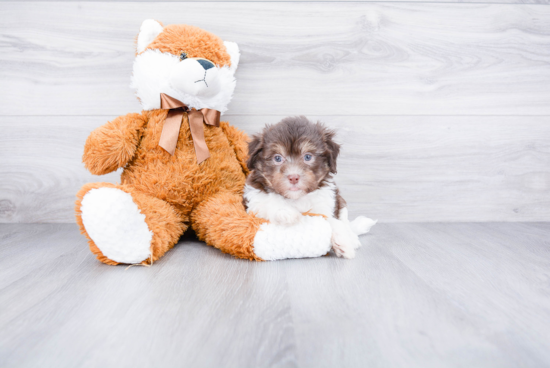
[
  {"x": 293, "y": 179},
  {"x": 205, "y": 64}
]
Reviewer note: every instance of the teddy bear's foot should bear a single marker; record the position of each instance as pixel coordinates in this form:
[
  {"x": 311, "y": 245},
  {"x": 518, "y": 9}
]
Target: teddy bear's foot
[
  {"x": 126, "y": 227},
  {"x": 311, "y": 237},
  {"x": 116, "y": 225}
]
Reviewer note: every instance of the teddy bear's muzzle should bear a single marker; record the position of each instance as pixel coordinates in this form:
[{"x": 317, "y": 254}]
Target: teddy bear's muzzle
[
  {"x": 197, "y": 77},
  {"x": 206, "y": 64}
]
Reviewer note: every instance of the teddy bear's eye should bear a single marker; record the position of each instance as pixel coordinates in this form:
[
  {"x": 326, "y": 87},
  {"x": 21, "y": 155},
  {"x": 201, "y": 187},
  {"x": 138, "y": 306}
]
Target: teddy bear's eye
[{"x": 183, "y": 56}]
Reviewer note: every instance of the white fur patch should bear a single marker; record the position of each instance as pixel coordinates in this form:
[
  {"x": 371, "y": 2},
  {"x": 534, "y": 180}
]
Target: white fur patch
[
  {"x": 361, "y": 225},
  {"x": 268, "y": 205},
  {"x": 310, "y": 237},
  {"x": 344, "y": 240},
  {"x": 152, "y": 75},
  {"x": 116, "y": 225},
  {"x": 233, "y": 51},
  {"x": 148, "y": 31}
]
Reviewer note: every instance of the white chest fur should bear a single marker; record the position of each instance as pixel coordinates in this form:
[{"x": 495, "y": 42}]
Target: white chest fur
[{"x": 321, "y": 201}]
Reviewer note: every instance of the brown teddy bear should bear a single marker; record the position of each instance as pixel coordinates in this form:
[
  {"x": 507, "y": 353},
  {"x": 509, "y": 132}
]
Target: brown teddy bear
[{"x": 182, "y": 166}]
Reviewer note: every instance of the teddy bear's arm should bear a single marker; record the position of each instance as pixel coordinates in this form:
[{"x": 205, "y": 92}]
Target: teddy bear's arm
[
  {"x": 239, "y": 142},
  {"x": 114, "y": 144}
]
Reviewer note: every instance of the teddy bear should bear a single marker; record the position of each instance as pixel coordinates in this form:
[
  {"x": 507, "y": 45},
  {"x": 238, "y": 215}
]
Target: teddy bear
[{"x": 182, "y": 167}]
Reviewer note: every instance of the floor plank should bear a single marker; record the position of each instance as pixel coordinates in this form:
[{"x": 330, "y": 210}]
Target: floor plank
[
  {"x": 75, "y": 58},
  {"x": 417, "y": 295}
]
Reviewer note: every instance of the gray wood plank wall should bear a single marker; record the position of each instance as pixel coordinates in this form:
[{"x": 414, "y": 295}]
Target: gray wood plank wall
[
  {"x": 349, "y": 1},
  {"x": 443, "y": 109}
]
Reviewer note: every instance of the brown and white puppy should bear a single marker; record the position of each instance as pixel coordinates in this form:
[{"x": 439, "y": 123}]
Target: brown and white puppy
[{"x": 292, "y": 164}]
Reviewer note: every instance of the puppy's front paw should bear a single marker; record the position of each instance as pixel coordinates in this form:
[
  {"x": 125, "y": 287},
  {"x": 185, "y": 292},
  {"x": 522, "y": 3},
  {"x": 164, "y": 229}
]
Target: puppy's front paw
[
  {"x": 344, "y": 244},
  {"x": 343, "y": 250},
  {"x": 287, "y": 216}
]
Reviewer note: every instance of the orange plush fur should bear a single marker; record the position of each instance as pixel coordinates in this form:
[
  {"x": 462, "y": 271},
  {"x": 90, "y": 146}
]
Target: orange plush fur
[
  {"x": 194, "y": 41},
  {"x": 174, "y": 192}
]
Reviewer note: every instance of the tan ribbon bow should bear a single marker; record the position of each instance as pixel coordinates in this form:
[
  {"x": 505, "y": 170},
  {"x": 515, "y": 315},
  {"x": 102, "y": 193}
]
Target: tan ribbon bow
[{"x": 172, "y": 124}]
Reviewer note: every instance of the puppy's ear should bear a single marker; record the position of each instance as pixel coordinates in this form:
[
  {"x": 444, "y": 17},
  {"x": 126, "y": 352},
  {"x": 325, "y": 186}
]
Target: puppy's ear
[
  {"x": 254, "y": 149},
  {"x": 332, "y": 149}
]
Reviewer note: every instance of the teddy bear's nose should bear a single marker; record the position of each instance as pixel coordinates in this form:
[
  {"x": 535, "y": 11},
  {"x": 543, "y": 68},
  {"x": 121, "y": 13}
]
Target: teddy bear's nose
[{"x": 205, "y": 64}]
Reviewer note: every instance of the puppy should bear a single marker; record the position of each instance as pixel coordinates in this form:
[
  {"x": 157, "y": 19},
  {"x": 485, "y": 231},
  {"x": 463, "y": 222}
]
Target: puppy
[{"x": 291, "y": 167}]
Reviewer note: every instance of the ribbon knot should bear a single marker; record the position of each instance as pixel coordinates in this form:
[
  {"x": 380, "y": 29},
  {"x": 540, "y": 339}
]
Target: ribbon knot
[{"x": 172, "y": 124}]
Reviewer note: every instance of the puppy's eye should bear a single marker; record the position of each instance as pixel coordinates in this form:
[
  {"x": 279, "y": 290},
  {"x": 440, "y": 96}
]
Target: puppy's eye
[
  {"x": 308, "y": 157},
  {"x": 278, "y": 159},
  {"x": 183, "y": 56}
]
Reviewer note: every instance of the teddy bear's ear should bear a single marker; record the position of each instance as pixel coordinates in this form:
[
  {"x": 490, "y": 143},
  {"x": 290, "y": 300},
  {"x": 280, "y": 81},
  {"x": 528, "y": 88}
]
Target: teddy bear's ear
[
  {"x": 233, "y": 51},
  {"x": 149, "y": 30}
]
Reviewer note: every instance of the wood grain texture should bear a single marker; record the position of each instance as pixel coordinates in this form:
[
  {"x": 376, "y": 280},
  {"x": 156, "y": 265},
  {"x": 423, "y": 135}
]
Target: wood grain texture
[
  {"x": 41, "y": 167},
  {"x": 62, "y": 58},
  {"x": 369, "y": 69},
  {"x": 396, "y": 169},
  {"x": 417, "y": 295}
]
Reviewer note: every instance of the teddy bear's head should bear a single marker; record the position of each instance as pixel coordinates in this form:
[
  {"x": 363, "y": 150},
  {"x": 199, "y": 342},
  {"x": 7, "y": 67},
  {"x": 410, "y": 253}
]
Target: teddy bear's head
[{"x": 186, "y": 63}]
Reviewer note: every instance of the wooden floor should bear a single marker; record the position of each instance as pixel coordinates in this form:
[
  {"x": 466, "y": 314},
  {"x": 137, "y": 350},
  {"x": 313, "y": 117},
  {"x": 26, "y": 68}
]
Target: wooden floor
[{"x": 417, "y": 295}]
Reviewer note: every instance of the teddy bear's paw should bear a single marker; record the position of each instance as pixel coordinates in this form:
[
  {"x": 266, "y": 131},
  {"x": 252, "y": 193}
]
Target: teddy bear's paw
[
  {"x": 362, "y": 225},
  {"x": 287, "y": 216},
  {"x": 116, "y": 225},
  {"x": 309, "y": 238}
]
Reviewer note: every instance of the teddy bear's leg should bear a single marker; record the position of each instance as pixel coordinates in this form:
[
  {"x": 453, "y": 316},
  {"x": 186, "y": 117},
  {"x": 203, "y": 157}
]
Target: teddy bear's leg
[
  {"x": 222, "y": 222},
  {"x": 124, "y": 225}
]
